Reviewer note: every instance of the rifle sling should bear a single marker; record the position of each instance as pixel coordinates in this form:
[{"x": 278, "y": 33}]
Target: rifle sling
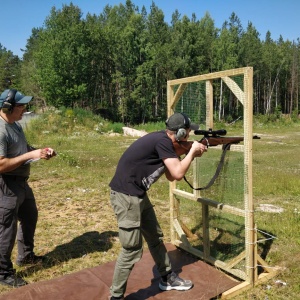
[{"x": 220, "y": 165}]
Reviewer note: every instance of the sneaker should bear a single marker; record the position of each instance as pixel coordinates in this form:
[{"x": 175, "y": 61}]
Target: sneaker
[
  {"x": 12, "y": 280},
  {"x": 30, "y": 259},
  {"x": 174, "y": 282}
]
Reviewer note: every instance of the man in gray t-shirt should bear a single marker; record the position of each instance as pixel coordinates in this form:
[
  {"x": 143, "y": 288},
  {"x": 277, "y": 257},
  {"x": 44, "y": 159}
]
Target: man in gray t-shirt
[{"x": 17, "y": 202}]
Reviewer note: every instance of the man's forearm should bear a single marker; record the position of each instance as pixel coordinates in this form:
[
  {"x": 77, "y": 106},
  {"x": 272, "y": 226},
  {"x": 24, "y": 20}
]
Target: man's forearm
[{"x": 10, "y": 164}]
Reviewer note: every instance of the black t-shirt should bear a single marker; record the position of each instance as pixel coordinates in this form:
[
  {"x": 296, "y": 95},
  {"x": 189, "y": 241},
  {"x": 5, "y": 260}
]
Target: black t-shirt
[{"x": 142, "y": 164}]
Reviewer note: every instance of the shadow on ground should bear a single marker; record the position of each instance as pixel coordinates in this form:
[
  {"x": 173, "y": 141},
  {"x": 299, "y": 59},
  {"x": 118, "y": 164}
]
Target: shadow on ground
[{"x": 89, "y": 242}]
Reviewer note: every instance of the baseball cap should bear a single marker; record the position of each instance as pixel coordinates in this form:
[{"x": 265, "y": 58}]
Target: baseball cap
[
  {"x": 19, "y": 98},
  {"x": 180, "y": 120}
]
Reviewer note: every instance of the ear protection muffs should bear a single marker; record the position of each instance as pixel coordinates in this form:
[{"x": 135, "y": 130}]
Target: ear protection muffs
[
  {"x": 181, "y": 133},
  {"x": 9, "y": 102}
]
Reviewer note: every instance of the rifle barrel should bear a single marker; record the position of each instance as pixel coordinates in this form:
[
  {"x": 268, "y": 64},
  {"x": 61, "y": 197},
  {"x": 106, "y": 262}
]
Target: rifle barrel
[{"x": 214, "y": 141}]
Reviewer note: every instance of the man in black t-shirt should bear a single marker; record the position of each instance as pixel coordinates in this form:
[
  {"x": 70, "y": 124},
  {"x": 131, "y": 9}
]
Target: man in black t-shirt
[{"x": 140, "y": 166}]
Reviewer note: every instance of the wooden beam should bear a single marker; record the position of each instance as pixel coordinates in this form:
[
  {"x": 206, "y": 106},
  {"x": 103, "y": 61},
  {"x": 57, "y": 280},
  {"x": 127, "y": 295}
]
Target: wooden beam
[
  {"x": 244, "y": 286},
  {"x": 209, "y": 76},
  {"x": 236, "y": 260},
  {"x": 235, "y": 88},
  {"x": 178, "y": 94},
  {"x": 217, "y": 263},
  {"x": 224, "y": 207},
  {"x": 181, "y": 234}
]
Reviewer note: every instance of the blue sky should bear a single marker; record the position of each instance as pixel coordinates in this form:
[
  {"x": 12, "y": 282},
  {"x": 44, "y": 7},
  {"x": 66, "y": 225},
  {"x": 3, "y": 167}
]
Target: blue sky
[{"x": 18, "y": 17}]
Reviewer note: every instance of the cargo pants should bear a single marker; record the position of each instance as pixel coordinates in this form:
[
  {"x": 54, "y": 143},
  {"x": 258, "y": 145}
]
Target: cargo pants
[
  {"x": 17, "y": 203},
  {"x": 136, "y": 219}
]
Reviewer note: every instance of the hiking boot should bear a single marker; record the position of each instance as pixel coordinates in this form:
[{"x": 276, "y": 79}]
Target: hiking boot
[
  {"x": 174, "y": 282},
  {"x": 30, "y": 259},
  {"x": 12, "y": 280}
]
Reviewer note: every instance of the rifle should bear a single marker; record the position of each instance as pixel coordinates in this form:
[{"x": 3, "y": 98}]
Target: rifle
[{"x": 210, "y": 138}]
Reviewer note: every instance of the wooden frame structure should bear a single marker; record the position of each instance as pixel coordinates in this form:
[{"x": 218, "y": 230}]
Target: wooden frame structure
[{"x": 179, "y": 234}]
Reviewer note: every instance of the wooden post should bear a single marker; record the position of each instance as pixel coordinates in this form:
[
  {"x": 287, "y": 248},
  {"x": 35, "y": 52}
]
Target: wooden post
[
  {"x": 248, "y": 196},
  {"x": 209, "y": 105}
]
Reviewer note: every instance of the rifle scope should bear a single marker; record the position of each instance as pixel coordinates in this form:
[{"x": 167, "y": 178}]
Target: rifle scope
[{"x": 210, "y": 132}]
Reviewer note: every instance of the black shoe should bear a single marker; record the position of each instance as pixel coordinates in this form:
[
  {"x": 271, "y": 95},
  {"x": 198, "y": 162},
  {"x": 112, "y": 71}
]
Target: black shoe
[
  {"x": 12, "y": 280},
  {"x": 30, "y": 259}
]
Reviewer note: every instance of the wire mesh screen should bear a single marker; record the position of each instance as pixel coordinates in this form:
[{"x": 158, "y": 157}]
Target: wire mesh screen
[
  {"x": 226, "y": 106},
  {"x": 228, "y": 187},
  {"x": 226, "y": 231},
  {"x": 193, "y": 102},
  {"x": 207, "y": 101}
]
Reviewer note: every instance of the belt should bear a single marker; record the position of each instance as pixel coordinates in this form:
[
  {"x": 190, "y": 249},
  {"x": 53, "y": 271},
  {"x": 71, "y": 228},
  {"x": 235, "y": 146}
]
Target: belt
[{"x": 15, "y": 177}]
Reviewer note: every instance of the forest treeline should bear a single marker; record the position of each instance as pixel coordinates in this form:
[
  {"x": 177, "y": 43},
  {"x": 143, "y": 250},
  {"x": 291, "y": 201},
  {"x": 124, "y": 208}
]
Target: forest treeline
[{"x": 118, "y": 62}]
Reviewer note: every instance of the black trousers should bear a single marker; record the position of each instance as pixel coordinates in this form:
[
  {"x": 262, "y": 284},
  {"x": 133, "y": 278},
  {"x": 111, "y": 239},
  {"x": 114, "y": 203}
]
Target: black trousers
[{"x": 17, "y": 203}]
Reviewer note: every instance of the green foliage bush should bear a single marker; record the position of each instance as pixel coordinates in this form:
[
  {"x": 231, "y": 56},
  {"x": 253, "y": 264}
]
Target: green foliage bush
[
  {"x": 151, "y": 126},
  {"x": 69, "y": 121},
  {"x": 115, "y": 127},
  {"x": 275, "y": 120}
]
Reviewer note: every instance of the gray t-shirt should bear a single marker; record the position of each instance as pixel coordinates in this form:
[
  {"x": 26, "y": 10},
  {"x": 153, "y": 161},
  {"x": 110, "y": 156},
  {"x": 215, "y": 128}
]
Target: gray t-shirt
[{"x": 12, "y": 144}]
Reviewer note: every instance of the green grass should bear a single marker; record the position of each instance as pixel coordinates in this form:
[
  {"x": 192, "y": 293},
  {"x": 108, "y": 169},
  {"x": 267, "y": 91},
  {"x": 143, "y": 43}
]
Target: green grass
[{"x": 77, "y": 228}]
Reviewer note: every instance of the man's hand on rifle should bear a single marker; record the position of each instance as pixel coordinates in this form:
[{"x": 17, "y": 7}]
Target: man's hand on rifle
[{"x": 198, "y": 149}]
